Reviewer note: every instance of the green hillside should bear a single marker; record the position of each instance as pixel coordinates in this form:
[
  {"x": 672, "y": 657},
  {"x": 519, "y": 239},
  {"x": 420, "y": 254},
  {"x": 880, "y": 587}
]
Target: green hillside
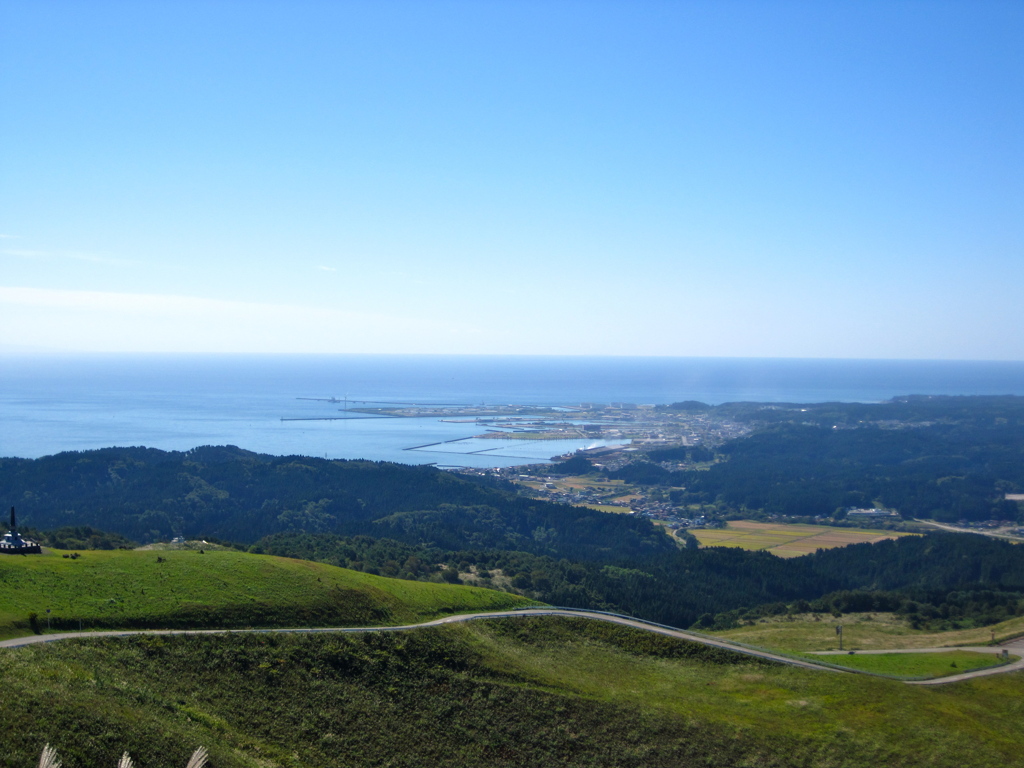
[
  {"x": 170, "y": 589},
  {"x": 914, "y": 665},
  {"x": 862, "y": 631},
  {"x": 512, "y": 692}
]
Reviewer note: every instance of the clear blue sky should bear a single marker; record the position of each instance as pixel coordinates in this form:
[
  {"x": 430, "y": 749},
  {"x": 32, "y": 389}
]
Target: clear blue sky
[{"x": 771, "y": 179}]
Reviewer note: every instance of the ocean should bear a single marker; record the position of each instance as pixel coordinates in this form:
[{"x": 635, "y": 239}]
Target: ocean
[{"x": 70, "y": 403}]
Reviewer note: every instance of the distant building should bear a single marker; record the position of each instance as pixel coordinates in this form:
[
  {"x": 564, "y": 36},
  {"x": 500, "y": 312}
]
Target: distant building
[
  {"x": 869, "y": 513},
  {"x": 13, "y": 544}
]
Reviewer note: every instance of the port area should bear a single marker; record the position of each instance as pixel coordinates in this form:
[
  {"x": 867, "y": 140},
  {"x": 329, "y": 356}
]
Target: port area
[
  {"x": 626, "y": 423},
  {"x": 620, "y": 435}
]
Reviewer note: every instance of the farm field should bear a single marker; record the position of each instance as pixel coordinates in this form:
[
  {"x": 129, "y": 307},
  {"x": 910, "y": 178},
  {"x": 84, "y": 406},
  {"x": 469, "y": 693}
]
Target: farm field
[
  {"x": 786, "y": 540},
  {"x": 613, "y": 508},
  {"x": 117, "y": 589}
]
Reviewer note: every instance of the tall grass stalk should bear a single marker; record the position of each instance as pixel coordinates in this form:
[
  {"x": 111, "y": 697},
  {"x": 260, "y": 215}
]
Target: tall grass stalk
[{"x": 50, "y": 759}]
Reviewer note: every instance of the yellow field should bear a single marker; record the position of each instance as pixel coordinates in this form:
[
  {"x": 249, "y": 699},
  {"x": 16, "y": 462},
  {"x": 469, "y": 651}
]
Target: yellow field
[{"x": 787, "y": 540}]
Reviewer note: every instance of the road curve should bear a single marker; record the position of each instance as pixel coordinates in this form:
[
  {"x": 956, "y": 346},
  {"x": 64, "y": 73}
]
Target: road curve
[
  {"x": 523, "y": 612},
  {"x": 1015, "y": 647}
]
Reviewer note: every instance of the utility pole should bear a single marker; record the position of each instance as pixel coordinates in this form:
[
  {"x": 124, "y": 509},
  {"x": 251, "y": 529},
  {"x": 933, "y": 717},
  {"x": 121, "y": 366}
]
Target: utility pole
[{"x": 839, "y": 631}]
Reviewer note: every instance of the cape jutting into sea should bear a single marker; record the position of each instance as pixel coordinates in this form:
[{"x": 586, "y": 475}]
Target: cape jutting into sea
[{"x": 51, "y": 404}]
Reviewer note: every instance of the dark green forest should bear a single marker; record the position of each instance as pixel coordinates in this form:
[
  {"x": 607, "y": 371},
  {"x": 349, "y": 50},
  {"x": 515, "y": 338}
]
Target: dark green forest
[
  {"x": 940, "y": 458},
  {"x": 234, "y": 495},
  {"x": 943, "y": 472},
  {"x": 940, "y": 581}
]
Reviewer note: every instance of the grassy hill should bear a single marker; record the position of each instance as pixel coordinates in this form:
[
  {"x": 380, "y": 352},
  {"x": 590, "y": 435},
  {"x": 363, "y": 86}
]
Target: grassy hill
[
  {"x": 914, "y": 665},
  {"x": 167, "y": 589},
  {"x": 513, "y": 692}
]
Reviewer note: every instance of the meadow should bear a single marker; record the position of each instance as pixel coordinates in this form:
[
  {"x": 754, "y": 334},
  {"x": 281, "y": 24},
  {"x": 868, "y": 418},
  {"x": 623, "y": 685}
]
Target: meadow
[
  {"x": 862, "y": 631},
  {"x": 915, "y": 665},
  {"x": 511, "y": 692},
  {"x": 787, "y": 540},
  {"x": 191, "y": 589}
]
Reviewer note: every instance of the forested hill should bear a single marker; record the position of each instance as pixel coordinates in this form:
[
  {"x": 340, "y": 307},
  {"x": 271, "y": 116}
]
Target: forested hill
[
  {"x": 236, "y": 495},
  {"x": 936, "y": 563},
  {"x": 973, "y": 411},
  {"x": 406, "y": 521},
  {"x": 945, "y": 458},
  {"x": 960, "y": 579}
]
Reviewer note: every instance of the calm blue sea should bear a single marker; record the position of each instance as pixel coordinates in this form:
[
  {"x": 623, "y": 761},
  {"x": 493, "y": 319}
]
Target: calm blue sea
[{"x": 53, "y": 404}]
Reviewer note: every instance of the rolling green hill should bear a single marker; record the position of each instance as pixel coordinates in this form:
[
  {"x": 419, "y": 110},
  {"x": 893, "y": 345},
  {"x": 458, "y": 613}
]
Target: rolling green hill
[
  {"x": 512, "y": 692},
  {"x": 168, "y": 589}
]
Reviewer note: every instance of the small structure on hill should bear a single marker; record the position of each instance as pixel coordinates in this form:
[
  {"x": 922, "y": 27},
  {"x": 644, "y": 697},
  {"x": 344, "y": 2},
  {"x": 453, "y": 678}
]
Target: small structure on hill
[{"x": 13, "y": 544}]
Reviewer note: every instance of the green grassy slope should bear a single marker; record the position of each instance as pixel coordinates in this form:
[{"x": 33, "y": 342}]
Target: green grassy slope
[
  {"x": 513, "y": 692},
  {"x": 119, "y": 589},
  {"x": 915, "y": 665},
  {"x": 862, "y": 631}
]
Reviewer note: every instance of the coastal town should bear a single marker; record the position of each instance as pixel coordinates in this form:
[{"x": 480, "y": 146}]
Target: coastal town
[
  {"x": 637, "y": 425},
  {"x": 627, "y": 434}
]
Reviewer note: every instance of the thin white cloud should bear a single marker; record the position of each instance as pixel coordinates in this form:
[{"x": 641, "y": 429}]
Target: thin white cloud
[
  {"x": 24, "y": 253},
  {"x": 95, "y": 259},
  {"x": 327, "y": 269},
  {"x": 95, "y": 321}
]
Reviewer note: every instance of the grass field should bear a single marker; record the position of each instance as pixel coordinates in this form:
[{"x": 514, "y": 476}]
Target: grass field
[
  {"x": 119, "y": 589},
  {"x": 861, "y": 631},
  {"x": 787, "y": 540},
  {"x": 515, "y": 692},
  {"x": 618, "y": 510},
  {"x": 929, "y": 665},
  {"x": 797, "y": 707}
]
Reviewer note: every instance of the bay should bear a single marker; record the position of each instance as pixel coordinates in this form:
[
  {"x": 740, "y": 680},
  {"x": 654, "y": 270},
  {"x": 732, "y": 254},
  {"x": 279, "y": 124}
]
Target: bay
[{"x": 50, "y": 404}]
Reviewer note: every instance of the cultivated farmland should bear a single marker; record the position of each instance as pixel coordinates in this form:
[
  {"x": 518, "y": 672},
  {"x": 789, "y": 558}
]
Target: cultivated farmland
[{"x": 787, "y": 540}]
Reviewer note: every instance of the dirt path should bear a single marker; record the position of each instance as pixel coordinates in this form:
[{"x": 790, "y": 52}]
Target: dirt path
[{"x": 1015, "y": 646}]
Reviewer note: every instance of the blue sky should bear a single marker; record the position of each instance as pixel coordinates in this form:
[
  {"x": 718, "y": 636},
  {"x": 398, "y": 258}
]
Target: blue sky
[{"x": 769, "y": 179}]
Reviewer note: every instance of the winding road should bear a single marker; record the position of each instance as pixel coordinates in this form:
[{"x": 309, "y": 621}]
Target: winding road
[{"x": 1016, "y": 647}]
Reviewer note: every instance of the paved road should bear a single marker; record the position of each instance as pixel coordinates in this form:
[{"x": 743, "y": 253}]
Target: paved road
[
  {"x": 678, "y": 633},
  {"x": 1016, "y": 647},
  {"x": 980, "y": 532}
]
